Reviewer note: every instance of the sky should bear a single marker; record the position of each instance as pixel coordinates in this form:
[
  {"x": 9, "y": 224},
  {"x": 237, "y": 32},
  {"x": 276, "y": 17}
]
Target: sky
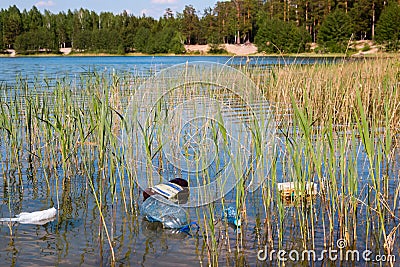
[{"x": 151, "y": 8}]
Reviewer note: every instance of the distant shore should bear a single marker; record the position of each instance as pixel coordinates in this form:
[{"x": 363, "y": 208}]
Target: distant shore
[{"x": 225, "y": 50}]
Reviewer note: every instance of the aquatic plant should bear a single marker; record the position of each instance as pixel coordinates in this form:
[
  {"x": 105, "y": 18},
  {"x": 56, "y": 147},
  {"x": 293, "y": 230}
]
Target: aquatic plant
[{"x": 337, "y": 125}]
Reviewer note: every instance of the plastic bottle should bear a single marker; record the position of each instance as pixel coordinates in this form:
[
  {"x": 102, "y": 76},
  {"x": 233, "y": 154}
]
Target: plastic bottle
[
  {"x": 230, "y": 215},
  {"x": 158, "y": 209}
]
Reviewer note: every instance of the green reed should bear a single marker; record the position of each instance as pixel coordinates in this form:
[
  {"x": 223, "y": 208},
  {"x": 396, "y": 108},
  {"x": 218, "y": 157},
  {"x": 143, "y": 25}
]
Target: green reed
[
  {"x": 326, "y": 116},
  {"x": 333, "y": 148}
]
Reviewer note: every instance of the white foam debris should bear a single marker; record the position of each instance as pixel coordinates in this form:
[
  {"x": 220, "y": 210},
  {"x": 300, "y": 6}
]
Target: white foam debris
[{"x": 36, "y": 217}]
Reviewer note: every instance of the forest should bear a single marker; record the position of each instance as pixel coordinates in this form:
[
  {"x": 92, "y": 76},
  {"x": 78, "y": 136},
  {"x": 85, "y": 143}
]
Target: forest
[{"x": 287, "y": 26}]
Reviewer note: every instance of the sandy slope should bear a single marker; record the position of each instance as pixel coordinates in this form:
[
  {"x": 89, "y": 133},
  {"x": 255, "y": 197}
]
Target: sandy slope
[
  {"x": 66, "y": 51},
  {"x": 240, "y": 50},
  {"x": 246, "y": 49},
  {"x": 11, "y": 52},
  {"x": 251, "y": 49}
]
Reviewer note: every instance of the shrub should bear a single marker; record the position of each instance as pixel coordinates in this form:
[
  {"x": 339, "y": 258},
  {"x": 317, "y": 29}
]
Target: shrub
[
  {"x": 217, "y": 50},
  {"x": 366, "y": 48}
]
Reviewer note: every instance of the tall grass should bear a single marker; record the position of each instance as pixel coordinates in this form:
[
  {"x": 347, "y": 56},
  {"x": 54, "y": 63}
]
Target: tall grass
[
  {"x": 338, "y": 125},
  {"x": 340, "y": 114}
]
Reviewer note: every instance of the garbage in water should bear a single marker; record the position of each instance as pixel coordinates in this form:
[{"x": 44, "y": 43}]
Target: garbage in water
[
  {"x": 289, "y": 191},
  {"x": 176, "y": 190},
  {"x": 157, "y": 208},
  {"x": 156, "y": 231},
  {"x": 231, "y": 216},
  {"x": 37, "y": 217}
]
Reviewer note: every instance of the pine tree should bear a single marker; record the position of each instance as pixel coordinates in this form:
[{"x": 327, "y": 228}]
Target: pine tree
[
  {"x": 2, "y": 12},
  {"x": 35, "y": 19},
  {"x": 209, "y": 28},
  {"x": 335, "y": 31},
  {"x": 62, "y": 32},
  {"x": 225, "y": 20},
  {"x": 388, "y": 27},
  {"x": 12, "y": 26},
  {"x": 275, "y": 36},
  {"x": 190, "y": 24}
]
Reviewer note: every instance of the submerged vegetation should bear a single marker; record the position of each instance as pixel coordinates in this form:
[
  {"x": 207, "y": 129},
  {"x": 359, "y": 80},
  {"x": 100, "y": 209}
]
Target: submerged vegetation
[{"x": 338, "y": 126}]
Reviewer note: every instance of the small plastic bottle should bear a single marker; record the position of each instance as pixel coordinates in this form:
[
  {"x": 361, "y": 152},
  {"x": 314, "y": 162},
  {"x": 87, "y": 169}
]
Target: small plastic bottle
[
  {"x": 156, "y": 208},
  {"x": 230, "y": 215}
]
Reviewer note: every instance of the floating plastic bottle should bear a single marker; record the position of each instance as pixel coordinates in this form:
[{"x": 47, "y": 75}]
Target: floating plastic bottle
[
  {"x": 230, "y": 215},
  {"x": 156, "y": 208}
]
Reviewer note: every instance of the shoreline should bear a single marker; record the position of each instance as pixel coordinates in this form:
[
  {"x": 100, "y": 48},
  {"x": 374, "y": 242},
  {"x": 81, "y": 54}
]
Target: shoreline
[
  {"x": 356, "y": 49},
  {"x": 310, "y": 55},
  {"x": 232, "y": 50},
  {"x": 302, "y": 55}
]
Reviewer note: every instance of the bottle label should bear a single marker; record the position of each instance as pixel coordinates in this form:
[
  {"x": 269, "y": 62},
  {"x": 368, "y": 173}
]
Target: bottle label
[{"x": 168, "y": 190}]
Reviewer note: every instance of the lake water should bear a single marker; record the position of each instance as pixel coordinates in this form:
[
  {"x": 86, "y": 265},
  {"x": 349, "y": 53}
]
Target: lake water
[
  {"x": 32, "y": 68},
  {"x": 76, "y": 236}
]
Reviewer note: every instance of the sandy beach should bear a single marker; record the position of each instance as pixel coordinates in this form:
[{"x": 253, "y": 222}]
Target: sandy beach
[{"x": 239, "y": 50}]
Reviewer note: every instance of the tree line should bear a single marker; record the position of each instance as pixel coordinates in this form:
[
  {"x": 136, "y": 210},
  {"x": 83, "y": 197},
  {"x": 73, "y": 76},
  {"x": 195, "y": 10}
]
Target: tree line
[{"x": 273, "y": 25}]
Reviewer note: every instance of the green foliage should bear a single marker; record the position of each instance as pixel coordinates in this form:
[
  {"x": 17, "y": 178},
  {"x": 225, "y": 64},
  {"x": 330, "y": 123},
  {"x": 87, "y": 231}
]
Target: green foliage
[
  {"x": 106, "y": 40},
  {"x": 141, "y": 39},
  {"x": 274, "y": 25},
  {"x": 166, "y": 40},
  {"x": 36, "y": 40},
  {"x": 190, "y": 24},
  {"x": 275, "y": 35},
  {"x": 209, "y": 28},
  {"x": 225, "y": 21},
  {"x": 217, "y": 50},
  {"x": 362, "y": 15},
  {"x": 12, "y": 26},
  {"x": 64, "y": 30},
  {"x": 335, "y": 32},
  {"x": 176, "y": 44},
  {"x": 1, "y": 31},
  {"x": 82, "y": 40},
  {"x": 100, "y": 41},
  {"x": 366, "y": 48},
  {"x": 388, "y": 27}
]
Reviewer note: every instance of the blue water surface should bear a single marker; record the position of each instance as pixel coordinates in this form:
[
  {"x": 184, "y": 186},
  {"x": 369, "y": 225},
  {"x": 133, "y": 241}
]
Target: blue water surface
[{"x": 38, "y": 68}]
